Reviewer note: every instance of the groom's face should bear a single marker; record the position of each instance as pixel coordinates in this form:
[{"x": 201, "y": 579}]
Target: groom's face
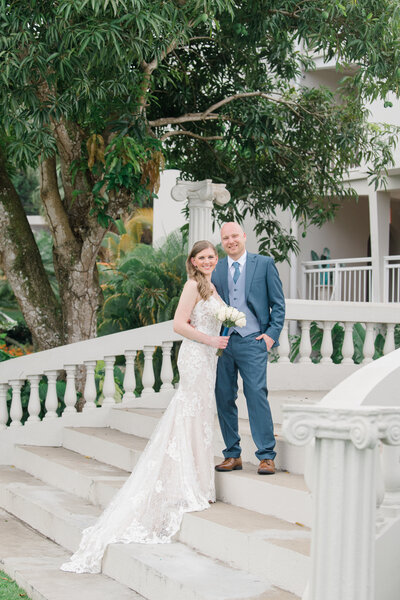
[{"x": 233, "y": 240}]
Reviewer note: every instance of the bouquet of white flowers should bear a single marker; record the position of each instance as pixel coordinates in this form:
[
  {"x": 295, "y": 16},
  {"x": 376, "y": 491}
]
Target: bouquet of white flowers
[{"x": 230, "y": 317}]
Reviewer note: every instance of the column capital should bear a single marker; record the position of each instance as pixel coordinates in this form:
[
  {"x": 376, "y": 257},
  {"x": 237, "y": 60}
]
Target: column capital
[
  {"x": 363, "y": 426},
  {"x": 201, "y": 192}
]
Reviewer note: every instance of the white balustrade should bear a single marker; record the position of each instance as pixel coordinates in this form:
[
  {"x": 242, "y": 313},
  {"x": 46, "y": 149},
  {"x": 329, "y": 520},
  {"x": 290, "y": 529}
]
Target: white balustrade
[
  {"x": 284, "y": 344},
  {"x": 326, "y": 345},
  {"x": 148, "y": 372},
  {"x": 90, "y": 392},
  {"x": 3, "y": 405},
  {"x": 70, "y": 390},
  {"x": 348, "y": 345},
  {"x": 369, "y": 346},
  {"x": 34, "y": 399},
  {"x": 51, "y": 402},
  {"x": 389, "y": 340},
  {"x": 129, "y": 377},
  {"x": 305, "y": 342},
  {"x": 109, "y": 382},
  {"x": 345, "y": 454},
  {"x": 16, "y": 404},
  {"x": 167, "y": 373}
]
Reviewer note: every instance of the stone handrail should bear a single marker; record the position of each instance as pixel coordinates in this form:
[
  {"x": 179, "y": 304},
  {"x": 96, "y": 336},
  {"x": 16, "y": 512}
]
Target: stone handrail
[{"x": 15, "y": 372}]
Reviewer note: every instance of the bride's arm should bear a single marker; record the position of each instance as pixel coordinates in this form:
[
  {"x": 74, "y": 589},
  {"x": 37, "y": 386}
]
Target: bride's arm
[{"x": 187, "y": 302}]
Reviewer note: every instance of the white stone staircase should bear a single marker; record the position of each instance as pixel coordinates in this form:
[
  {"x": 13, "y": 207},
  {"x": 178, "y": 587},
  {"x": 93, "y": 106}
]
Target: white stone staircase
[
  {"x": 253, "y": 543},
  {"x": 57, "y": 473}
]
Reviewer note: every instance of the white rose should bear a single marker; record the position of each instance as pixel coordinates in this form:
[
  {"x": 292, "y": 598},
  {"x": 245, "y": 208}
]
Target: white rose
[
  {"x": 235, "y": 314},
  {"x": 221, "y": 314},
  {"x": 228, "y": 313},
  {"x": 241, "y": 322}
]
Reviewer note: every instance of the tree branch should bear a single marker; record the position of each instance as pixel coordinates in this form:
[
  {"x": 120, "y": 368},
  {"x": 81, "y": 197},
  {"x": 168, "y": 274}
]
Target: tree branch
[
  {"x": 55, "y": 212},
  {"x": 148, "y": 69},
  {"x": 190, "y": 134}
]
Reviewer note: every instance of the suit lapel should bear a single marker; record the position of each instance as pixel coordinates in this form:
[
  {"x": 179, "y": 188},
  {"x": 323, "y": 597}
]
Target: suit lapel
[
  {"x": 223, "y": 278},
  {"x": 250, "y": 268}
]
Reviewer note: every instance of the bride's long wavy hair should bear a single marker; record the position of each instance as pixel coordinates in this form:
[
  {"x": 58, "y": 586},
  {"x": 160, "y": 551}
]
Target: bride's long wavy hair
[{"x": 203, "y": 285}]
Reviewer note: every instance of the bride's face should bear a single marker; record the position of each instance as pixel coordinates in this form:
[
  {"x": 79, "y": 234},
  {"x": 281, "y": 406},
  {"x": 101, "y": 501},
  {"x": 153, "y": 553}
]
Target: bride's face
[{"x": 205, "y": 261}]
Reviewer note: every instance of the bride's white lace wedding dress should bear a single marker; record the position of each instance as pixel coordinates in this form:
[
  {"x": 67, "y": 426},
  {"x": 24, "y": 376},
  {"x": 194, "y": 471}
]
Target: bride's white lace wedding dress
[{"x": 175, "y": 473}]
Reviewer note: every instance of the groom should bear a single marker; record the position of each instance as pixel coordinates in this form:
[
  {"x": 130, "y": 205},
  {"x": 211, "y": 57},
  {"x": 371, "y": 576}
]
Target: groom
[{"x": 250, "y": 283}]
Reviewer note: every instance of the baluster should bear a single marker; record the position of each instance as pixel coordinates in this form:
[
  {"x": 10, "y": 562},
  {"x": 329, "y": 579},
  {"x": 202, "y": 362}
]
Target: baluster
[
  {"x": 148, "y": 372},
  {"x": 326, "y": 345},
  {"x": 305, "y": 342},
  {"x": 348, "y": 346},
  {"x": 3, "y": 406},
  {"x": 109, "y": 382},
  {"x": 167, "y": 374},
  {"x": 16, "y": 405},
  {"x": 369, "y": 347},
  {"x": 34, "y": 399},
  {"x": 284, "y": 348},
  {"x": 90, "y": 392},
  {"x": 51, "y": 396},
  {"x": 389, "y": 341},
  {"x": 70, "y": 390},
  {"x": 129, "y": 377}
]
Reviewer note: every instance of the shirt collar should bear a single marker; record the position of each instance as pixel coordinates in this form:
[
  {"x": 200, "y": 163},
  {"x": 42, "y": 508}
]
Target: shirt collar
[{"x": 241, "y": 260}]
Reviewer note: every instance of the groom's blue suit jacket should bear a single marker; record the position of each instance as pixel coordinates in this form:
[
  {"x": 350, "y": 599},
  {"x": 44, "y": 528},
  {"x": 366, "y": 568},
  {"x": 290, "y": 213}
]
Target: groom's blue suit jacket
[{"x": 264, "y": 294}]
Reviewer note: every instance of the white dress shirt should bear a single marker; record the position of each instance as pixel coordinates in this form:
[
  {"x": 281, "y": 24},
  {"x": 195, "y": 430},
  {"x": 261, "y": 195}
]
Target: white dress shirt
[{"x": 241, "y": 261}]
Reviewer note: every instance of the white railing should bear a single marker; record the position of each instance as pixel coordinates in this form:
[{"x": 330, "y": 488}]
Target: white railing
[
  {"x": 376, "y": 319},
  {"x": 353, "y": 472},
  {"x": 392, "y": 278},
  {"x": 344, "y": 279}
]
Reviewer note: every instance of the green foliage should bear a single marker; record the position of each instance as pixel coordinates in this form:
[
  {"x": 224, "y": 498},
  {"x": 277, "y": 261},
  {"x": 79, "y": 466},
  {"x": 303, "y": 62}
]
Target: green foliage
[
  {"x": 210, "y": 86},
  {"x": 9, "y": 590},
  {"x": 145, "y": 286}
]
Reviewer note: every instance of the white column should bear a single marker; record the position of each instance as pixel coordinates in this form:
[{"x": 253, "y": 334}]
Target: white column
[
  {"x": 379, "y": 218},
  {"x": 34, "y": 399},
  {"x": 109, "y": 382},
  {"x": 326, "y": 345},
  {"x": 90, "y": 392},
  {"x": 51, "y": 396},
  {"x": 293, "y": 261},
  {"x": 3, "y": 406},
  {"x": 369, "y": 346},
  {"x": 344, "y": 493},
  {"x": 389, "y": 340},
  {"x": 305, "y": 342},
  {"x": 70, "y": 390},
  {"x": 284, "y": 345},
  {"x": 348, "y": 344},
  {"x": 148, "y": 372},
  {"x": 167, "y": 373},
  {"x": 16, "y": 405},
  {"x": 129, "y": 377},
  {"x": 200, "y": 196}
]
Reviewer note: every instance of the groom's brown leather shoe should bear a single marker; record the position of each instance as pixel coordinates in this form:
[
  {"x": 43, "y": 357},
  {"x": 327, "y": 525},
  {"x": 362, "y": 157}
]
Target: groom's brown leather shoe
[
  {"x": 230, "y": 464},
  {"x": 267, "y": 467}
]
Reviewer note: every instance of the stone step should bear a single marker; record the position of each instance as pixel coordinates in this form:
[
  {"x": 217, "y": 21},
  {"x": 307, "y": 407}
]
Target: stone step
[
  {"x": 34, "y": 562},
  {"x": 141, "y": 422},
  {"x": 282, "y": 495},
  {"x": 153, "y": 570}
]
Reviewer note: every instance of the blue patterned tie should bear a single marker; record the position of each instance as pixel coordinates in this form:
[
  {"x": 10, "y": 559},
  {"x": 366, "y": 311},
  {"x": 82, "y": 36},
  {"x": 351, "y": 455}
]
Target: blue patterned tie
[{"x": 236, "y": 274}]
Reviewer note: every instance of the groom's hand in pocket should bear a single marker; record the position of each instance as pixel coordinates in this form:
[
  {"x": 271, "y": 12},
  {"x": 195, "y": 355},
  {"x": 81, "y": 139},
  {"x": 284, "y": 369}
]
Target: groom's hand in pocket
[{"x": 269, "y": 342}]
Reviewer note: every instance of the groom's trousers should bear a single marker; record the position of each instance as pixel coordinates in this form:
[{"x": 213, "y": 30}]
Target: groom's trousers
[{"x": 249, "y": 357}]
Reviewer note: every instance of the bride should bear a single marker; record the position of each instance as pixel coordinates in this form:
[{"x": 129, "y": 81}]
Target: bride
[{"x": 175, "y": 473}]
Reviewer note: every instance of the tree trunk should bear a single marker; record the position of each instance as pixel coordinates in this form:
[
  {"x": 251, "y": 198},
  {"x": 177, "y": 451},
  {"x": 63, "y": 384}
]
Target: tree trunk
[{"x": 23, "y": 267}]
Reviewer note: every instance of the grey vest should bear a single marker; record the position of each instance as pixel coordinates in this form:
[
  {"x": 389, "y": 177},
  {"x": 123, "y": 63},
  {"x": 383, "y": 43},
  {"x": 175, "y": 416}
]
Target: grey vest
[{"x": 237, "y": 298}]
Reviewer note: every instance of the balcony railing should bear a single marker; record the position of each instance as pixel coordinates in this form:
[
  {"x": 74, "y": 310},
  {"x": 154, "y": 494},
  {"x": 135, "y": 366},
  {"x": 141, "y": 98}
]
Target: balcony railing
[{"x": 348, "y": 279}]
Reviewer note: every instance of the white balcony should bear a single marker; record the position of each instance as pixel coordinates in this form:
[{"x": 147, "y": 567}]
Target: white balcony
[{"x": 348, "y": 279}]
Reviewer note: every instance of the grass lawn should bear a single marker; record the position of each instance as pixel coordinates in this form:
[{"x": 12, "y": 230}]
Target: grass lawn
[{"x": 9, "y": 589}]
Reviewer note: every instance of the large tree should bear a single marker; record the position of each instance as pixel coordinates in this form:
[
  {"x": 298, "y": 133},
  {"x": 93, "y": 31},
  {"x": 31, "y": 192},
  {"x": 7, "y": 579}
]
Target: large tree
[{"x": 98, "y": 94}]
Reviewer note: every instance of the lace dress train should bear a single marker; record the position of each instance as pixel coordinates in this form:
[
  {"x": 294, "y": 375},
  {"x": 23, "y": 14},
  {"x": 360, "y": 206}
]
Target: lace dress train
[{"x": 175, "y": 473}]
